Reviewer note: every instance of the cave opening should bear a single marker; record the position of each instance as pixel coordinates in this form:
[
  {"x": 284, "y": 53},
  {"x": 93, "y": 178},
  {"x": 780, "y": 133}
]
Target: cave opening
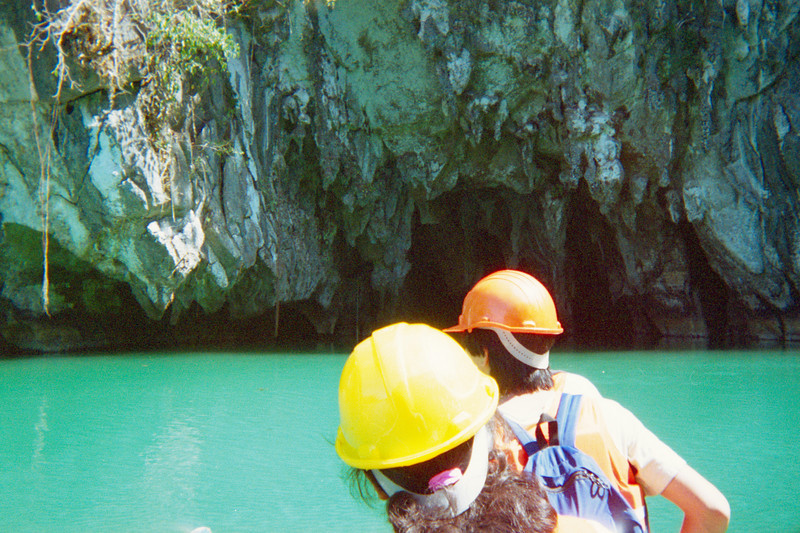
[
  {"x": 449, "y": 255},
  {"x": 596, "y": 316},
  {"x": 711, "y": 289}
]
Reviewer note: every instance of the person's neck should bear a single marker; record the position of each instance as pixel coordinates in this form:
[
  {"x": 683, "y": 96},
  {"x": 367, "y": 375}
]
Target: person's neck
[{"x": 512, "y": 449}]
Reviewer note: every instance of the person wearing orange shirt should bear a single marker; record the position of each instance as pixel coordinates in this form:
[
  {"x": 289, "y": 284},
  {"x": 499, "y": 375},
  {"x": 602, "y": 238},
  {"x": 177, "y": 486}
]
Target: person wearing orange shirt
[{"x": 511, "y": 317}]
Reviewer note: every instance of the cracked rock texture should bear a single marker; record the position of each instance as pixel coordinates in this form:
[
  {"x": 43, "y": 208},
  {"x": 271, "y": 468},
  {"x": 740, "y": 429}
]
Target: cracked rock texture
[{"x": 365, "y": 162}]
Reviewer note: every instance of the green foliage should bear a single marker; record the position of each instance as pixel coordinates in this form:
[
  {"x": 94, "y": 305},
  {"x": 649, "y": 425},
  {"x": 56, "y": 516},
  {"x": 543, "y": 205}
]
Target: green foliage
[{"x": 184, "y": 45}]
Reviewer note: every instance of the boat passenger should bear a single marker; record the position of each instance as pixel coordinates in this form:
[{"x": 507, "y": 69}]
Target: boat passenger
[
  {"x": 512, "y": 319},
  {"x": 418, "y": 420}
]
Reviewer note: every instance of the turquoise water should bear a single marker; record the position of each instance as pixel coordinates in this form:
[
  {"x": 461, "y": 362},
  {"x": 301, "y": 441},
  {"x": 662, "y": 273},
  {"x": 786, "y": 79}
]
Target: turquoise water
[{"x": 243, "y": 442}]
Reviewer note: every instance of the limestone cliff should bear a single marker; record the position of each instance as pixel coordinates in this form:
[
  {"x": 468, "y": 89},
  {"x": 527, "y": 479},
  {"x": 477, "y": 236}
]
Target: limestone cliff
[{"x": 362, "y": 162}]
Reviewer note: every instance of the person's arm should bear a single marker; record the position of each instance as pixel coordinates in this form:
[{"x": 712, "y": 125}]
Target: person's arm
[
  {"x": 662, "y": 471},
  {"x": 705, "y": 508}
]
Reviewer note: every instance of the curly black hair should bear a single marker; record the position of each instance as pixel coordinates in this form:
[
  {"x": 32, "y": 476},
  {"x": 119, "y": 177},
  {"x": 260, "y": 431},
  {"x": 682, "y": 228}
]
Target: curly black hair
[{"x": 510, "y": 502}]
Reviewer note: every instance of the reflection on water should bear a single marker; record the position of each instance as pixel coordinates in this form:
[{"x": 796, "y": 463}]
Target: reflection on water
[
  {"x": 171, "y": 470},
  {"x": 40, "y": 429},
  {"x": 243, "y": 443}
]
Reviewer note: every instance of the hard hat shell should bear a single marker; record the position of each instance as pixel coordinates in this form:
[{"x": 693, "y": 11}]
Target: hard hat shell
[
  {"x": 511, "y": 300},
  {"x": 408, "y": 393}
]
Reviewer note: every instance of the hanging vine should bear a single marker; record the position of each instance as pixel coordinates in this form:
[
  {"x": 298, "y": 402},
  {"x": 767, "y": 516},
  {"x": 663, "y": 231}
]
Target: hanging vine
[{"x": 49, "y": 29}]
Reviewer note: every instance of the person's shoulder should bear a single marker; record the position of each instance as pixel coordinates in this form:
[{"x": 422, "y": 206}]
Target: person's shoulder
[{"x": 570, "y": 383}]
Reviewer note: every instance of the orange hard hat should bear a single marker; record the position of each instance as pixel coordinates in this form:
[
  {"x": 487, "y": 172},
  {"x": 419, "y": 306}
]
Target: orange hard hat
[{"x": 509, "y": 300}]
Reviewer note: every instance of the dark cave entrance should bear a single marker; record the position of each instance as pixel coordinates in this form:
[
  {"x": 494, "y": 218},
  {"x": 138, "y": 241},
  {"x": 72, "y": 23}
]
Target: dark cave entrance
[
  {"x": 448, "y": 256},
  {"x": 711, "y": 289},
  {"x": 599, "y": 318}
]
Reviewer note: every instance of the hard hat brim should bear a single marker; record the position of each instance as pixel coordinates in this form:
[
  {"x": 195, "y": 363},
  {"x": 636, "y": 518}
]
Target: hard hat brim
[{"x": 458, "y": 328}]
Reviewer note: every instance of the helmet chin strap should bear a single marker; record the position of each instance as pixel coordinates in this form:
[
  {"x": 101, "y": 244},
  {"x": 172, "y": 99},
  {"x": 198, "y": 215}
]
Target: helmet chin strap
[
  {"x": 521, "y": 353},
  {"x": 456, "y": 498}
]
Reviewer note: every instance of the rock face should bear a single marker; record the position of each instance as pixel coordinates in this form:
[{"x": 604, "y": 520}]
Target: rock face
[{"x": 362, "y": 162}]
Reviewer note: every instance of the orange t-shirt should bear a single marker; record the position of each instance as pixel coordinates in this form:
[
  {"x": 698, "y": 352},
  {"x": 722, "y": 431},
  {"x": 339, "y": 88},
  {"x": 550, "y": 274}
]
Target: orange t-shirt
[{"x": 573, "y": 524}]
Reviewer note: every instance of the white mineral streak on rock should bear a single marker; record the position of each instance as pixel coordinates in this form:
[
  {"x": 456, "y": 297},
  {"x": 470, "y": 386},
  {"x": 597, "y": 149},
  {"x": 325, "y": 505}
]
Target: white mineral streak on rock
[{"x": 183, "y": 240}]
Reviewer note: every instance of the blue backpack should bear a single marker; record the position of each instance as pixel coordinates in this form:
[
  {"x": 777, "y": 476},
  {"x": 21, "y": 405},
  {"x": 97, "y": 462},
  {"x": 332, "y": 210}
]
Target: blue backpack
[{"x": 573, "y": 481}]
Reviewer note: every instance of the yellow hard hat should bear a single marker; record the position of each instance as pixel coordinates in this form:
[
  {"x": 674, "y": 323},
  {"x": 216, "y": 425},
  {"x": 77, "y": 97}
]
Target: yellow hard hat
[
  {"x": 509, "y": 300},
  {"x": 407, "y": 394}
]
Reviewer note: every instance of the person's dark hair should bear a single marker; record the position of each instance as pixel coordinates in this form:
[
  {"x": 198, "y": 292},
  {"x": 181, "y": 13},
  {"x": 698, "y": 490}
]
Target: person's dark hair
[
  {"x": 512, "y": 375},
  {"x": 362, "y": 486},
  {"x": 510, "y": 502},
  {"x": 416, "y": 477}
]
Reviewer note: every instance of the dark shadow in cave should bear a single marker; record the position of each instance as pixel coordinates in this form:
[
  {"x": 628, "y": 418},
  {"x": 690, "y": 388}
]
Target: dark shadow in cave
[
  {"x": 440, "y": 255},
  {"x": 597, "y": 320},
  {"x": 712, "y": 290}
]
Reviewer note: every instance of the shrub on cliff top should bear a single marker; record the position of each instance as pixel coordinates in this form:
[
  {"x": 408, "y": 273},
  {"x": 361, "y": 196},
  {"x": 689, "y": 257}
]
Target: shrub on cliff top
[{"x": 164, "y": 42}]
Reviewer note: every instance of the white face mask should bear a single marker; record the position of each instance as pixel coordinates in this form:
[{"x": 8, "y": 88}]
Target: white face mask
[
  {"x": 521, "y": 353},
  {"x": 456, "y": 498}
]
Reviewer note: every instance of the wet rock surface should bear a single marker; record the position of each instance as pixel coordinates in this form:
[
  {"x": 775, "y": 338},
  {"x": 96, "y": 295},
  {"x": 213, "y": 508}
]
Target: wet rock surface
[{"x": 362, "y": 162}]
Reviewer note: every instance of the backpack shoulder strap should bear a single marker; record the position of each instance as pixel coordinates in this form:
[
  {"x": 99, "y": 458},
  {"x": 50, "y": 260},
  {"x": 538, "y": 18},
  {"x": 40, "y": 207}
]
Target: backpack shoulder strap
[
  {"x": 529, "y": 444},
  {"x": 566, "y": 420},
  {"x": 569, "y": 409}
]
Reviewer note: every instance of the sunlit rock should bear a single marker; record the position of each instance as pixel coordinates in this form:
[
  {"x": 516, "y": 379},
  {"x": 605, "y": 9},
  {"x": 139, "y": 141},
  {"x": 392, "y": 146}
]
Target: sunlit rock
[{"x": 361, "y": 162}]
